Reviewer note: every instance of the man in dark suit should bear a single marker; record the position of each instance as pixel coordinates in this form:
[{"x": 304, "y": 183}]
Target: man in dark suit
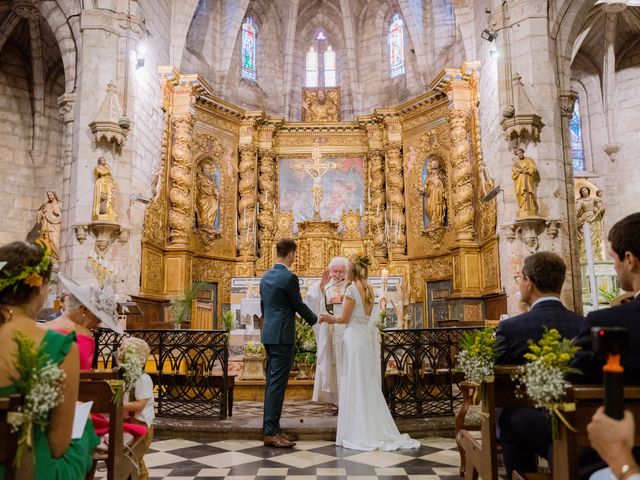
[
  {"x": 523, "y": 431},
  {"x": 540, "y": 285},
  {"x": 280, "y": 300}
]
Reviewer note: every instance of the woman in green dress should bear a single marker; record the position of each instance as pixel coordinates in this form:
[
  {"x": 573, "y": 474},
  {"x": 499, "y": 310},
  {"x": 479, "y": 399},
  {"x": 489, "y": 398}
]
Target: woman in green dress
[{"x": 24, "y": 285}]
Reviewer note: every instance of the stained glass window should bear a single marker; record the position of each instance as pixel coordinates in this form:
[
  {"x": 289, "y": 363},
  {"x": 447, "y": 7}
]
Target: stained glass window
[
  {"x": 396, "y": 46},
  {"x": 329, "y": 67},
  {"x": 249, "y": 49},
  {"x": 577, "y": 145},
  {"x": 312, "y": 68}
]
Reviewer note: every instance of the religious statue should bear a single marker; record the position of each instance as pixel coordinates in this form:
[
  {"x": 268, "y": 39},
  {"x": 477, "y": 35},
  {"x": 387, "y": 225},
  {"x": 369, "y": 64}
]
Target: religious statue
[
  {"x": 49, "y": 219},
  {"x": 207, "y": 197},
  {"x": 435, "y": 194},
  {"x": 316, "y": 169},
  {"x": 321, "y": 105},
  {"x": 526, "y": 178},
  {"x": 103, "y": 207},
  {"x": 590, "y": 210}
]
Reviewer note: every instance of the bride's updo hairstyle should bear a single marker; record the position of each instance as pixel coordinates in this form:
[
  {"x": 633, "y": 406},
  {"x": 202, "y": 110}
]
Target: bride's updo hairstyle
[
  {"x": 28, "y": 267},
  {"x": 359, "y": 270}
]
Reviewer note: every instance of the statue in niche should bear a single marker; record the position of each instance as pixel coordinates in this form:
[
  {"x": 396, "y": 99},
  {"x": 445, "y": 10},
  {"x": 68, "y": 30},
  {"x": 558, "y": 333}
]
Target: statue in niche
[
  {"x": 48, "y": 222},
  {"x": 526, "y": 178},
  {"x": 435, "y": 195},
  {"x": 103, "y": 207},
  {"x": 321, "y": 105},
  {"x": 207, "y": 199},
  {"x": 590, "y": 209}
]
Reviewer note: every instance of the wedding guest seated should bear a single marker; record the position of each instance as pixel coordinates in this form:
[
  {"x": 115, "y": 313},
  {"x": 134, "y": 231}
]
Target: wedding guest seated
[
  {"x": 24, "y": 286},
  {"x": 138, "y": 401},
  {"x": 613, "y": 440},
  {"x": 540, "y": 286},
  {"x": 86, "y": 308}
]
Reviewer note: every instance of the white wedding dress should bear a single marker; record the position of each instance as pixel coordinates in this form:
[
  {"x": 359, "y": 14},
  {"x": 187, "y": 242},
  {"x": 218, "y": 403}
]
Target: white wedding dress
[{"x": 364, "y": 420}]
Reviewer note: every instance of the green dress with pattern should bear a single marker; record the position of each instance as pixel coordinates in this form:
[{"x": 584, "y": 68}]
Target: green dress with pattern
[{"x": 76, "y": 462}]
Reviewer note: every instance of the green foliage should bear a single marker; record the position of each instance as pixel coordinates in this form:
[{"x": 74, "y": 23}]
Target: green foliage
[
  {"x": 552, "y": 350},
  {"x": 479, "y": 343},
  {"x": 308, "y": 358},
  {"x": 227, "y": 320},
  {"x": 381, "y": 323},
  {"x": 305, "y": 338},
  {"x": 181, "y": 307},
  {"x": 253, "y": 349},
  {"x": 609, "y": 295}
]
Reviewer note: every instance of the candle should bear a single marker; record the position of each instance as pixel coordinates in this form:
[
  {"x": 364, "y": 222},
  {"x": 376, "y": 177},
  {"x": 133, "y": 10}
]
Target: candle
[{"x": 385, "y": 274}]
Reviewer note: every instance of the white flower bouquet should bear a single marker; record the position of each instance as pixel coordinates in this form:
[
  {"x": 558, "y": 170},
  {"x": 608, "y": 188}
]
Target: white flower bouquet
[
  {"x": 477, "y": 355},
  {"x": 542, "y": 379},
  {"x": 39, "y": 381},
  {"x": 132, "y": 362}
]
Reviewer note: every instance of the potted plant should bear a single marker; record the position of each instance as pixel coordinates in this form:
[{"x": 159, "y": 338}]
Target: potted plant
[
  {"x": 253, "y": 361},
  {"x": 306, "y": 365},
  {"x": 305, "y": 348},
  {"x": 181, "y": 307}
]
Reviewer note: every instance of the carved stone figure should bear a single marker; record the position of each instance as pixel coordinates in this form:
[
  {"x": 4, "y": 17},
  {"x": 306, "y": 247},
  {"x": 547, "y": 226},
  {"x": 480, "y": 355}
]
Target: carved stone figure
[
  {"x": 526, "y": 178},
  {"x": 435, "y": 194},
  {"x": 590, "y": 209},
  {"x": 207, "y": 197},
  {"x": 103, "y": 208},
  {"x": 321, "y": 106},
  {"x": 49, "y": 219}
]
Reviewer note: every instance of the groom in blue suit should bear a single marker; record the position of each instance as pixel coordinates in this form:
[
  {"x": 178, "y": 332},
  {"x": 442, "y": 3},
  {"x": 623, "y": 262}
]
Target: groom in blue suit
[{"x": 280, "y": 300}]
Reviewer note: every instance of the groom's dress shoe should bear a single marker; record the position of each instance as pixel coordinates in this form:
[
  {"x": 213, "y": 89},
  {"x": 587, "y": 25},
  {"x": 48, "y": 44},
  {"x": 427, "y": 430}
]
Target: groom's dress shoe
[
  {"x": 277, "y": 441},
  {"x": 289, "y": 437}
]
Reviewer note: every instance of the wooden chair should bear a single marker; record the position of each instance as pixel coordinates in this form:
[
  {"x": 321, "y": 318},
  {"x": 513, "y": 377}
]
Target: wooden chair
[
  {"x": 9, "y": 439},
  {"x": 94, "y": 387}
]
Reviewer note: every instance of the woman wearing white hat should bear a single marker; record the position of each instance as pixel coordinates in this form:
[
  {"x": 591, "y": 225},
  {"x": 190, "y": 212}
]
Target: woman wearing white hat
[{"x": 85, "y": 309}]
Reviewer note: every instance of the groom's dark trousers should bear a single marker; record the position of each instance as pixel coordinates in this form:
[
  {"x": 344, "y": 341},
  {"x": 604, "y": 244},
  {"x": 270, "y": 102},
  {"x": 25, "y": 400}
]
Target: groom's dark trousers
[{"x": 280, "y": 299}]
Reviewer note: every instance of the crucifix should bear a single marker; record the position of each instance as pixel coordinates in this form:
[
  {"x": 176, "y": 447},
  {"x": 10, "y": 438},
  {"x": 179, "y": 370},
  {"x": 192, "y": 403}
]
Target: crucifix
[{"x": 316, "y": 169}]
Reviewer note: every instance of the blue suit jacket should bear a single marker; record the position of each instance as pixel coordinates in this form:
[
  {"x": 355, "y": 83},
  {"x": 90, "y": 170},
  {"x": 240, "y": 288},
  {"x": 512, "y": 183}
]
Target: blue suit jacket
[
  {"x": 626, "y": 315},
  {"x": 279, "y": 301},
  {"x": 513, "y": 334}
]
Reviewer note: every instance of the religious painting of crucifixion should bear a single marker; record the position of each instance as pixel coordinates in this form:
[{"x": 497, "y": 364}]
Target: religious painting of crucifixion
[{"x": 321, "y": 188}]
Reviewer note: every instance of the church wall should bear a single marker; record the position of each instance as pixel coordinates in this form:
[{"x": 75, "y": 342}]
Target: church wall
[{"x": 24, "y": 185}]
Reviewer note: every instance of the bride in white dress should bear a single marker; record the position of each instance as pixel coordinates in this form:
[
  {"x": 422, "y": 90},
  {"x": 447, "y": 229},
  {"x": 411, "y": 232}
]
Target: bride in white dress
[{"x": 364, "y": 420}]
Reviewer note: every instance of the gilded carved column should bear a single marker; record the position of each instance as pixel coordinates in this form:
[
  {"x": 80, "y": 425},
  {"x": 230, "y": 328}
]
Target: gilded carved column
[
  {"x": 268, "y": 201},
  {"x": 247, "y": 203},
  {"x": 395, "y": 199},
  {"x": 377, "y": 203},
  {"x": 461, "y": 174},
  {"x": 180, "y": 198}
]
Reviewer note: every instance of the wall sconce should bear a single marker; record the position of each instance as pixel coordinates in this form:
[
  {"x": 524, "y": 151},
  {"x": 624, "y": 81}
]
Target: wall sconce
[
  {"x": 489, "y": 35},
  {"x": 140, "y": 51}
]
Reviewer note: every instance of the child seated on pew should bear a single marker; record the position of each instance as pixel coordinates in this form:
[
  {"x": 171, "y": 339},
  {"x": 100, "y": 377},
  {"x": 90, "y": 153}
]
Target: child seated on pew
[{"x": 138, "y": 401}]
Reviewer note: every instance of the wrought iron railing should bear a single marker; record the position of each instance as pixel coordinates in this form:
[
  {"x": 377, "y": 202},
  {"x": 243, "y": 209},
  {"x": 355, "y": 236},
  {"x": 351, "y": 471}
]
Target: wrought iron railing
[
  {"x": 419, "y": 377},
  {"x": 188, "y": 367}
]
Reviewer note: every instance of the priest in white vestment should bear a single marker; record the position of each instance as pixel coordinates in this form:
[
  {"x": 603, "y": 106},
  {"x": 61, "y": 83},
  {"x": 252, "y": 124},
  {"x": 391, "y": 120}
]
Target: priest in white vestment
[{"x": 326, "y": 297}]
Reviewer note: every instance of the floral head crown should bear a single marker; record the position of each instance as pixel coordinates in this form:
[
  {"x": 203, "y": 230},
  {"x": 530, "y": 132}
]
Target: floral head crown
[
  {"x": 30, "y": 275},
  {"x": 362, "y": 260}
]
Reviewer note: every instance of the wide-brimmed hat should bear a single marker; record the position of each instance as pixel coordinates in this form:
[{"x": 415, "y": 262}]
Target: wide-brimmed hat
[{"x": 101, "y": 302}]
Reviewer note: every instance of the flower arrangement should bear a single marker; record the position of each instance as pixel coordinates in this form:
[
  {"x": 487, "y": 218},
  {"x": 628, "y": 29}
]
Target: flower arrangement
[
  {"x": 253, "y": 349},
  {"x": 305, "y": 338},
  {"x": 381, "y": 323},
  {"x": 543, "y": 377},
  {"x": 29, "y": 275},
  {"x": 39, "y": 381},
  {"x": 477, "y": 355},
  {"x": 132, "y": 357}
]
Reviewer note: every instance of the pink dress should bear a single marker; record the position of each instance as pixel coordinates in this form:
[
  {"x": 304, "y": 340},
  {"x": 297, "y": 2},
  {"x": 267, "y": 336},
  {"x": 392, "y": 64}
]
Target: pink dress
[{"x": 86, "y": 347}]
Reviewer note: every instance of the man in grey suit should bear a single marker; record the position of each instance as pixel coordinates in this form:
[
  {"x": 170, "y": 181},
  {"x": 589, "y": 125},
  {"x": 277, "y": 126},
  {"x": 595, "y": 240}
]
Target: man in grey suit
[{"x": 280, "y": 300}]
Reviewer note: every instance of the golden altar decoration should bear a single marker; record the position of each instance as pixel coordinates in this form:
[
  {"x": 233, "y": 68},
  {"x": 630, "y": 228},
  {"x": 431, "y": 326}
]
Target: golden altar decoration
[{"x": 397, "y": 222}]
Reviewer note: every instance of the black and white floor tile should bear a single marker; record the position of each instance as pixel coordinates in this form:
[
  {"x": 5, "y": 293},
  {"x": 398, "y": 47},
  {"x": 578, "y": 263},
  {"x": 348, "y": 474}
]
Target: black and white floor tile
[{"x": 177, "y": 459}]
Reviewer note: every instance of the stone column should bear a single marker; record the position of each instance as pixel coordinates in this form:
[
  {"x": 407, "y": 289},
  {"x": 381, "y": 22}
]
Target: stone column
[
  {"x": 395, "y": 199},
  {"x": 66, "y": 104}
]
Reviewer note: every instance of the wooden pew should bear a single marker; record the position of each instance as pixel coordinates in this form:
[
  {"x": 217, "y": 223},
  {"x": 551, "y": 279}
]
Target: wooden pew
[
  {"x": 94, "y": 387},
  {"x": 481, "y": 452},
  {"x": 9, "y": 439}
]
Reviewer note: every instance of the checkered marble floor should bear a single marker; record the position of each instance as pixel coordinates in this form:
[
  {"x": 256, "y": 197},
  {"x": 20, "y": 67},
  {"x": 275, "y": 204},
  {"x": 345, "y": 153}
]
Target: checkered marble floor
[{"x": 177, "y": 459}]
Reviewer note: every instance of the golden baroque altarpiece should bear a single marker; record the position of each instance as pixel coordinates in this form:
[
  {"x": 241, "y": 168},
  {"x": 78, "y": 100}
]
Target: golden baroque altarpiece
[{"x": 420, "y": 215}]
